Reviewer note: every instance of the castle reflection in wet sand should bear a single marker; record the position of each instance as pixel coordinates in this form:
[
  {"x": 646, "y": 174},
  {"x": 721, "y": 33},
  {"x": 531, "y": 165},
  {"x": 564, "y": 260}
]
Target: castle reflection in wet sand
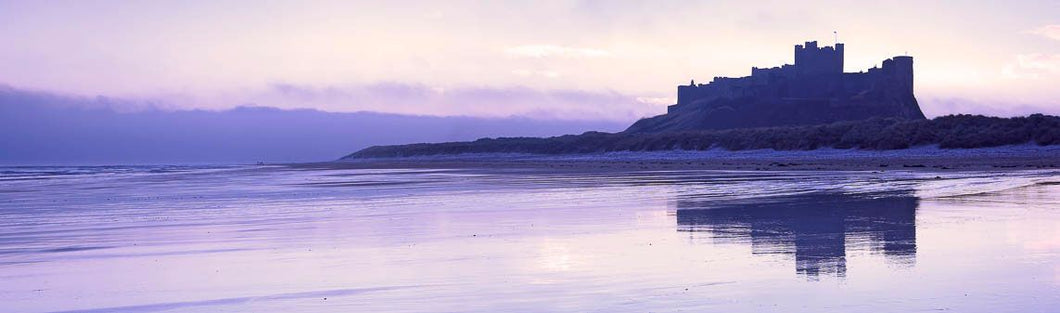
[
  {"x": 304, "y": 239},
  {"x": 817, "y": 229}
]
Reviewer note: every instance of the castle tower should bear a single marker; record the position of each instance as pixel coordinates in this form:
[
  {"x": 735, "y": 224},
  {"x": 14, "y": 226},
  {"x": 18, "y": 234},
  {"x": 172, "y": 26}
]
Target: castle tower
[
  {"x": 811, "y": 60},
  {"x": 686, "y": 93},
  {"x": 903, "y": 72},
  {"x": 838, "y": 62}
]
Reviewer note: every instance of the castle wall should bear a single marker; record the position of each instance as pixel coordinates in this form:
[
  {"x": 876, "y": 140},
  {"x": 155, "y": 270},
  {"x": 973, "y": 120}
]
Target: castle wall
[
  {"x": 816, "y": 74},
  {"x": 814, "y": 90}
]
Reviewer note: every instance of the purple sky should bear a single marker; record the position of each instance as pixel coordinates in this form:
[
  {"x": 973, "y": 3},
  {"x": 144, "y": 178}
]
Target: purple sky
[{"x": 581, "y": 60}]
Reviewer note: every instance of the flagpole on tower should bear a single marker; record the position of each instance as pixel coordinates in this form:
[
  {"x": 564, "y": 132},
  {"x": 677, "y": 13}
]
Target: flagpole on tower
[{"x": 836, "y": 34}]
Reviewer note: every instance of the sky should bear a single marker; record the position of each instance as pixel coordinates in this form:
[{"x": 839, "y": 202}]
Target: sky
[{"x": 571, "y": 60}]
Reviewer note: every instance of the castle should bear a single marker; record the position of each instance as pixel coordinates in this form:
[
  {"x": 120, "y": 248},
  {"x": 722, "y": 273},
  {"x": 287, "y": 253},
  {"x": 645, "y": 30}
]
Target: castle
[{"x": 814, "y": 90}]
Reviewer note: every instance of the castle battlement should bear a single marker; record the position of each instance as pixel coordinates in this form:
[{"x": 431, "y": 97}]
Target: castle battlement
[
  {"x": 811, "y": 60},
  {"x": 816, "y": 72},
  {"x": 813, "y": 89}
]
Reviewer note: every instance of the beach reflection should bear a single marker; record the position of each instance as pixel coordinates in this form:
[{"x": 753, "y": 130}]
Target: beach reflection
[
  {"x": 276, "y": 239},
  {"x": 818, "y": 230}
]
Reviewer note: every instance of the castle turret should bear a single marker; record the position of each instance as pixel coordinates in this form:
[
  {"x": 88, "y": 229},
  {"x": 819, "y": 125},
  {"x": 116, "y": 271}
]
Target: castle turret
[
  {"x": 899, "y": 70},
  {"x": 686, "y": 93},
  {"x": 838, "y": 63},
  {"x": 811, "y": 60},
  {"x": 903, "y": 72}
]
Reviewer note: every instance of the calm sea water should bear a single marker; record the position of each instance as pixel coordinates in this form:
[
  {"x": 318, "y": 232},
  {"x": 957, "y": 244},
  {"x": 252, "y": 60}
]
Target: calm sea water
[{"x": 280, "y": 239}]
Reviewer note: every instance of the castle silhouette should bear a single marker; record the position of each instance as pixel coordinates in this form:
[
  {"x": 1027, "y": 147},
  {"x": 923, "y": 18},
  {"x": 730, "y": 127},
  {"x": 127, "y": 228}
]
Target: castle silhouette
[{"x": 814, "y": 90}]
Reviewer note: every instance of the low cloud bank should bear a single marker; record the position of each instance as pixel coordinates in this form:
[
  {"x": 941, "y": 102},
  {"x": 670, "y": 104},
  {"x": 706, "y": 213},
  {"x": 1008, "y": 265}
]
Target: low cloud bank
[
  {"x": 46, "y": 128},
  {"x": 404, "y": 98}
]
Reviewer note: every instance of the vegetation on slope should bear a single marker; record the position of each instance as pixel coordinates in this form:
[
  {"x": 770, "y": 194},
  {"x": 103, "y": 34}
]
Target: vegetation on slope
[{"x": 951, "y": 131}]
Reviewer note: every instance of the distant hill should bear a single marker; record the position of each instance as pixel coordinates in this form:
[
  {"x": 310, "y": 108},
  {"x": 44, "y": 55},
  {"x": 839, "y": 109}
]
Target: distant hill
[{"x": 948, "y": 132}]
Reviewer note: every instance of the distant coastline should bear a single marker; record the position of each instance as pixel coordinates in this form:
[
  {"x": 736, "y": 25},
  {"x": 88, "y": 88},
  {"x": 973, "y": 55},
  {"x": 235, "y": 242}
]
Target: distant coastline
[
  {"x": 946, "y": 132},
  {"x": 924, "y": 158}
]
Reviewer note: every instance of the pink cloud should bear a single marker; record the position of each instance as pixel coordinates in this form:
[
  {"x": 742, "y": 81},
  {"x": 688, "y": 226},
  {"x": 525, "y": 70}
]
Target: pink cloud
[
  {"x": 1049, "y": 31},
  {"x": 1040, "y": 61}
]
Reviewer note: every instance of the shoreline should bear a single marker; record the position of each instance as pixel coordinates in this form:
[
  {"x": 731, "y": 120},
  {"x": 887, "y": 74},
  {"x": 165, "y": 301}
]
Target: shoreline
[{"x": 1019, "y": 157}]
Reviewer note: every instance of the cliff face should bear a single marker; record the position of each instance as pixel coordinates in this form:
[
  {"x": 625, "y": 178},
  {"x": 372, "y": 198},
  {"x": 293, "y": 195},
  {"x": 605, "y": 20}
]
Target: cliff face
[{"x": 812, "y": 91}]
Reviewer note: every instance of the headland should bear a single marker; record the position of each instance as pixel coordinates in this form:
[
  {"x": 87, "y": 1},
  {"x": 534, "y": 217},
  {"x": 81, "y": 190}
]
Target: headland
[{"x": 809, "y": 105}]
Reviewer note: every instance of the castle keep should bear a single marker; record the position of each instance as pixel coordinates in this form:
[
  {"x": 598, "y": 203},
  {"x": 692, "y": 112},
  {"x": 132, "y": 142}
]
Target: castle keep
[{"x": 814, "y": 90}]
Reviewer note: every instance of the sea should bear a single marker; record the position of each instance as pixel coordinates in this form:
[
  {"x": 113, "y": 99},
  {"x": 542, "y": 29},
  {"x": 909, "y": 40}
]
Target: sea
[{"x": 278, "y": 238}]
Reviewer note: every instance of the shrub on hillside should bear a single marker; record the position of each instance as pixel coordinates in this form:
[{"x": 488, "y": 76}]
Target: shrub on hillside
[{"x": 951, "y": 131}]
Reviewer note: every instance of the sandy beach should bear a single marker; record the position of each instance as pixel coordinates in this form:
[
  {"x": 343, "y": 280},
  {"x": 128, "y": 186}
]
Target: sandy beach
[
  {"x": 589, "y": 234},
  {"x": 1021, "y": 157}
]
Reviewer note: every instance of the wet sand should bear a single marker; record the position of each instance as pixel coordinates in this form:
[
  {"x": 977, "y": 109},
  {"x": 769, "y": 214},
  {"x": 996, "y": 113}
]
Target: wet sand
[
  {"x": 282, "y": 239},
  {"x": 924, "y": 158}
]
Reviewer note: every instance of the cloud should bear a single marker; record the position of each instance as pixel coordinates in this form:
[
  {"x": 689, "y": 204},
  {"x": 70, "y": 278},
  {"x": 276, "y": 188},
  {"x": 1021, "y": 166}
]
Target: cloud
[
  {"x": 1039, "y": 61},
  {"x": 528, "y": 73},
  {"x": 400, "y": 98},
  {"x": 1033, "y": 66},
  {"x": 1048, "y": 31},
  {"x": 942, "y": 105},
  {"x": 420, "y": 99},
  {"x": 545, "y": 51},
  {"x": 39, "y": 127},
  {"x": 658, "y": 101}
]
